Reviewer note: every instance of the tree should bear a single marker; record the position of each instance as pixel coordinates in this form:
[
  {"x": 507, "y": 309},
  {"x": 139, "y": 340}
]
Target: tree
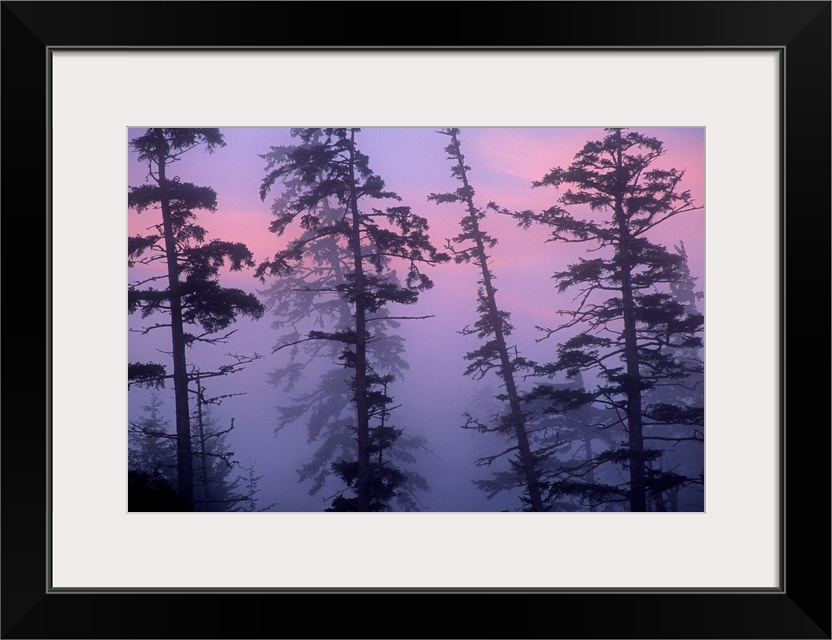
[
  {"x": 193, "y": 296},
  {"x": 252, "y": 487},
  {"x": 682, "y": 430},
  {"x": 306, "y": 299},
  {"x": 152, "y": 453},
  {"x": 151, "y": 445},
  {"x": 493, "y": 326},
  {"x": 627, "y": 316},
  {"x": 387, "y": 481},
  {"x": 328, "y": 165},
  {"x": 213, "y": 489},
  {"x": 568, "y": 434}
]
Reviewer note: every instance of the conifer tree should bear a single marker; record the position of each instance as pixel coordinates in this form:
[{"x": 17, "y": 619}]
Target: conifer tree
[
  {"x": 493, "y": 326},
  {"x": 199, "y": 310},
  {"x": 328, "y": 165},
  {"x": 152, "y": 452},
  {"x": 214, "y": 490},
  {"x": 307, "y": 298},
  {"x": 251, "y": 488},
  {"x": 151, "y": 444},
  {"x": 387, "y": 481},
  {"x": 627, "y": 317},
  {"x": 676, "y": 420}
]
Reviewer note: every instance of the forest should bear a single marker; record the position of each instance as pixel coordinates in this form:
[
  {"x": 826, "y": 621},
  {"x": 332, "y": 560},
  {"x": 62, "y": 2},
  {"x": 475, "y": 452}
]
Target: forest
[{"x": 416, "y": 319}]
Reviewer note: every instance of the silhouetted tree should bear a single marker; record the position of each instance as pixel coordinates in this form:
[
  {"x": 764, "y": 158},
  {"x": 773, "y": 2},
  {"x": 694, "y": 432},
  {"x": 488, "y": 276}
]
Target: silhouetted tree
[
  {"x": 307, "y": 298},
  {"x": 493, "y": 326},
  {"x": 627, "y": 315},
  {"x": 328, "y": 165},
  {"x": 193, "y": 296},
  {"x": 251, "y": 483},
  {"x": 214, "y": 490},
  {"x": 151, "y": 444},
  {"x": 568, "y": 436},
  {"x": 680, "y": 432},
  {"x": 152, "y": 452},
  {"x": 387, "y": 481}
]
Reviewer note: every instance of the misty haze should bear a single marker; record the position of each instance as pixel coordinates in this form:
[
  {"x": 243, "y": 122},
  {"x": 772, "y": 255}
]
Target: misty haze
[{"x": 416, "y": 319}]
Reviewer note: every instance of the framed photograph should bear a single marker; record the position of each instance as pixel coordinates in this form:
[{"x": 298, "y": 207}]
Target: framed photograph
[{"x": 743, "y": 88}]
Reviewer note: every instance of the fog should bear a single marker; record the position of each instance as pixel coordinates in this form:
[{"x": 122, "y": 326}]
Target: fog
[{"x": 431, "y": 395}]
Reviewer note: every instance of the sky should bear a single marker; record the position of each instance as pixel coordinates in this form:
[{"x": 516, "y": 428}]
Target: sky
[{"x": 433, "y": 393}]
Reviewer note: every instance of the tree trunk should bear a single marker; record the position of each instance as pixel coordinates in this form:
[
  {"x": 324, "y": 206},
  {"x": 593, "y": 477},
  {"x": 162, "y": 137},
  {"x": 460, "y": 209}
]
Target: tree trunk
[
  {"x": 638, "y": 498},
  {"x": 184, "y": 456},
  {"x": 334, "y": 256},
  {"x": 634, "y": 426},
  {"x": 361, "y": 408},
  {"x": 506, "y": 372},
  {"x": 207, "y": 496}
]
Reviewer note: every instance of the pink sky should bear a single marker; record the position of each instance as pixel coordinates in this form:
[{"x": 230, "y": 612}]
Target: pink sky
[{"x": 504, "y": 163}]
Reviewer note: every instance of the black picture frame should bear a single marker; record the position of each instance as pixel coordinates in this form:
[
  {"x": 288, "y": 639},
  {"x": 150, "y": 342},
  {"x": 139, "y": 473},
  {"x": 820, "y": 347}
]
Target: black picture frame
[{"x": 800, "y": 608}]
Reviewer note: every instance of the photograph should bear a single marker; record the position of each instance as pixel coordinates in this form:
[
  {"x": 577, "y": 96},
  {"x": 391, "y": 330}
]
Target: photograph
[
  {"x": 416, "y": 319},
  {"x": 449, "y": 280}
]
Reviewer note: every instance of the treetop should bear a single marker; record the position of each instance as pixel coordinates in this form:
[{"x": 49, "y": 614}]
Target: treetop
[{"x": 156, "y": 144}]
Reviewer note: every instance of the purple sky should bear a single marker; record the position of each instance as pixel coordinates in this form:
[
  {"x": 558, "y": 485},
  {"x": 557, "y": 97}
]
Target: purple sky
[{"x": 504, "y": 162}]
